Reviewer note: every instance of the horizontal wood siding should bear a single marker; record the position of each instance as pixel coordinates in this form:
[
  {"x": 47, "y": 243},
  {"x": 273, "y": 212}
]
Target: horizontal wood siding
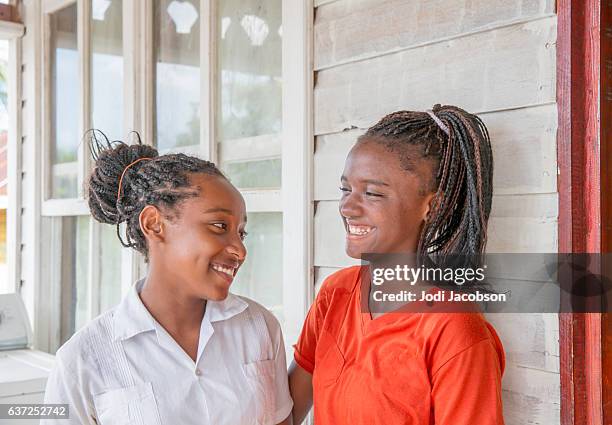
[
  {"x": 347, "y": 31},
  {"x": 482, "y": 72},
  {"x": 525, "y": 136}
]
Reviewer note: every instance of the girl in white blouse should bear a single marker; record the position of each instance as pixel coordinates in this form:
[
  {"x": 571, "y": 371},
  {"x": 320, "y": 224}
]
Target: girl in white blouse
[{"x": 180, "y": 348}]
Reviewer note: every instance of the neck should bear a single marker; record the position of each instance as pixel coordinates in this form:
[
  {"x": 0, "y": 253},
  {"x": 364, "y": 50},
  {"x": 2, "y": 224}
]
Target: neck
[{"x": 167, "y": 301}]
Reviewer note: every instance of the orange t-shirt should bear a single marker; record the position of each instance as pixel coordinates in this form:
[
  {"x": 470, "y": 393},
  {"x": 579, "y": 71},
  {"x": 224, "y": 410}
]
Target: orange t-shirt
[{"x": 400, "y": 368}]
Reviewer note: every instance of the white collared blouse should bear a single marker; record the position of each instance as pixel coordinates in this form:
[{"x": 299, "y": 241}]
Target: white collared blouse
[{"x": 124, "y": 368}]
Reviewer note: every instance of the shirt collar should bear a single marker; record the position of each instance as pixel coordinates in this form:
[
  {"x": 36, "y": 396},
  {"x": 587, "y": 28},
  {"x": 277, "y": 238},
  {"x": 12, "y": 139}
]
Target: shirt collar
[
  {"x": 226, "y": 309},
  {"x": 131, "y": 317}
]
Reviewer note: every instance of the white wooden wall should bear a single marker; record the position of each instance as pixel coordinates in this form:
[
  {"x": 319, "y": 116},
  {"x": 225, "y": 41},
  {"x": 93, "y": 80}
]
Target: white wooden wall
[{"x": 492, "y": 57}]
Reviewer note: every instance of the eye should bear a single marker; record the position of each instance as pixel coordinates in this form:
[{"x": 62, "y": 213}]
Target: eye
[
  {"x": 221, "y": 226},
  {"x": 243, "y": 235},
  {"x": 378, "y": 195},
  {"x": 344, "y": 189}
]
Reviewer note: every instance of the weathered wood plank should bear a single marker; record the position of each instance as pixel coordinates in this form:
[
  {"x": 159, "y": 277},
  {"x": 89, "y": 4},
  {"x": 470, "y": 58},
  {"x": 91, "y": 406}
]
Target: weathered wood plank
[
  {"x": 532, "y": 382},
  {"x": 520, "y": 409},
  {"x": 524, "y": 151},
  {"x": 318, "y": 3},
  {"x": 481, "y": 72},
  {"x": 530, "y": 340},
  {"x": 352, "y": 30},
  {"x": 522, "y": 235},
  {"x": 537, "y": 234},
  {"x": 541, "y": 206}
]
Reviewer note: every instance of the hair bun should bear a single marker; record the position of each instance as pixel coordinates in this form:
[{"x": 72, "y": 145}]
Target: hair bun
[{"x": 111, "y": 160}]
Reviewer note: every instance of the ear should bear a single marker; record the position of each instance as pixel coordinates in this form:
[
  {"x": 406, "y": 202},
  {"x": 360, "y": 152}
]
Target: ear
[
  {"x": 430, "y": 200},
  {"x": 151, "y": 223}
]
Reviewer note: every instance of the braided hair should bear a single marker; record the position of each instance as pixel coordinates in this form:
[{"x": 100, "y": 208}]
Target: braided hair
[
  {"x": 128, "y": 177},
  {"x": 457, "y": 221}
]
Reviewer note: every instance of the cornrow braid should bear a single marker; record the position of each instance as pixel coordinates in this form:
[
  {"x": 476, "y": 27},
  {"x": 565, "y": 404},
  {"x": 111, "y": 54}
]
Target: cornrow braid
[
  {"x": 162, "y": 181},
  {"x": 457, "y": 221}
]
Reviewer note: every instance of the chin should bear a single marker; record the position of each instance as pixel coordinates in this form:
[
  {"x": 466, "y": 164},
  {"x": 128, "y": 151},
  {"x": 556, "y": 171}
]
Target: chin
[
  {"x": 219, "y": 294},
  {"x": 354, "y": 252}
]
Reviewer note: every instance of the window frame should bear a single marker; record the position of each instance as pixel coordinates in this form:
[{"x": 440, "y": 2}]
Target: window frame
[
  {"x": 297, "y": 164},
  {"x": 13, "y": 32},
  {"x": 293, "y": 199},
  {"x": 49, "y": 334}
]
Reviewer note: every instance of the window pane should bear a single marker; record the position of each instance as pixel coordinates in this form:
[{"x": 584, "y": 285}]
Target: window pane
[
  {"x": 250, "y": 85},
  {"x": 107, "y": 67},
  {"x": 73, "y": 274},
  {"x": 110, "y": 267},
  {"x": 64, "y": 103},
  {"x": 260, "y": 277},
  {"x": 266, "y": 173},
  {"x": 177, "y": 82}
]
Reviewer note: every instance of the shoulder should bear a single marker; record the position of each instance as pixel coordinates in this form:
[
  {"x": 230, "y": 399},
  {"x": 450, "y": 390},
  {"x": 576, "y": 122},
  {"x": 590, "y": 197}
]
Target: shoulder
[
  {"x": 259, "y": 311},
  {"x": 459, "y": 328},
  {"x": 78, "y": 353},
  {"x": 343, "y": 280},
  {"x": 449, "y": 334},
  {"x": 335, "y": 296},
  {"x": 77, "y": 361}
]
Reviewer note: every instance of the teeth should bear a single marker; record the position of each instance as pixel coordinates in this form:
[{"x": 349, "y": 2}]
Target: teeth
[
  {"x": 227, "y": 270},
  {"x": 359, "y": 230}
]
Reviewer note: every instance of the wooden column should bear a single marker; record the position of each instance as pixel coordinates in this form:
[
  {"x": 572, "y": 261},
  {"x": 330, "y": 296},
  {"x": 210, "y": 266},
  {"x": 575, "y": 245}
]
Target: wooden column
[
  {"x": 606, "y": 194},
  {"x": 583, "y": 210}
]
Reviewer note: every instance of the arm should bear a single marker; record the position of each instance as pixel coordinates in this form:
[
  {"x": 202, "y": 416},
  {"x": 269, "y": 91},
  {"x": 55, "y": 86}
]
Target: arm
[
  {"x": 466, "y": 390},
  {"x": 300, "y": 385},
  {"x": 63, "y": 389},
  {"x": 302, "y": 368},
  {"x": 287, "y": 421}
]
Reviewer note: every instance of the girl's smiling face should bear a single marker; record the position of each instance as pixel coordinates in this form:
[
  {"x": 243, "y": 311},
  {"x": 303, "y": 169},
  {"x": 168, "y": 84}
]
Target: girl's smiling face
[
  {"x": 383, "y": 205},
  {"x": 202, "y": 248}
]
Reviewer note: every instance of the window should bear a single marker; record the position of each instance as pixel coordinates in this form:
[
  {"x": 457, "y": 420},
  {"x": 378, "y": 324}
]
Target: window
[
  {"x": 10, "y": 159},
  {"x": 204, "y": 77},
  {"x": 84, "y": 89},
  {"x": 249, "y": 70},
  {"x": 107, "y": 67},
  {"x": 177, "y": 74},
  {"x": 249, "y": 124},
  {"x": 261, "y": 275},
  {"x": 64, "y": 129},
  {"x": 72, "y": 234}
]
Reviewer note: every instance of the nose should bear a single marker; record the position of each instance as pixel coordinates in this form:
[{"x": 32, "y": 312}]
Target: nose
[
  {"x": 350, "y": 205},
  {"x": 237, "y": 248}
]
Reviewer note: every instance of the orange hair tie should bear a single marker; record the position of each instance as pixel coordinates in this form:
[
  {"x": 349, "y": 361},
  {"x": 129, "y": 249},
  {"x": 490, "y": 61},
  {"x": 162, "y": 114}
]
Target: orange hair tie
[{"x": 123, "y": 174}]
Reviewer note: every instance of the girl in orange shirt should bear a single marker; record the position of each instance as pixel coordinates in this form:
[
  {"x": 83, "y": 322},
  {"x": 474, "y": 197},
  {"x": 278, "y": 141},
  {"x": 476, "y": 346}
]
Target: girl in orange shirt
[{"x": 416, "y": 182}]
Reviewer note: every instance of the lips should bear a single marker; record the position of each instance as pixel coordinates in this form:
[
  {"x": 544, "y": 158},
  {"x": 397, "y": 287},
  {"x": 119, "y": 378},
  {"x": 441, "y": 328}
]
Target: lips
[
  {"x": 358, "y": 230},
  {"x": 226, "y": 271}
]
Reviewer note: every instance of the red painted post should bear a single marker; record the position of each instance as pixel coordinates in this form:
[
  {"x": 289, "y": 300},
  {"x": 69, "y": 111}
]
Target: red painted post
[{"x": 580, "y": 189}]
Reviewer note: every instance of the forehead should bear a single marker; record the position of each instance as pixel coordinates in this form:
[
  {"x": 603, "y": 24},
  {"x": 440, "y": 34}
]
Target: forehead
[
  {"x": 401, "y": 163},
  {"x": 216, "y": 192},
  {"x": 371, "y": 160}
]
